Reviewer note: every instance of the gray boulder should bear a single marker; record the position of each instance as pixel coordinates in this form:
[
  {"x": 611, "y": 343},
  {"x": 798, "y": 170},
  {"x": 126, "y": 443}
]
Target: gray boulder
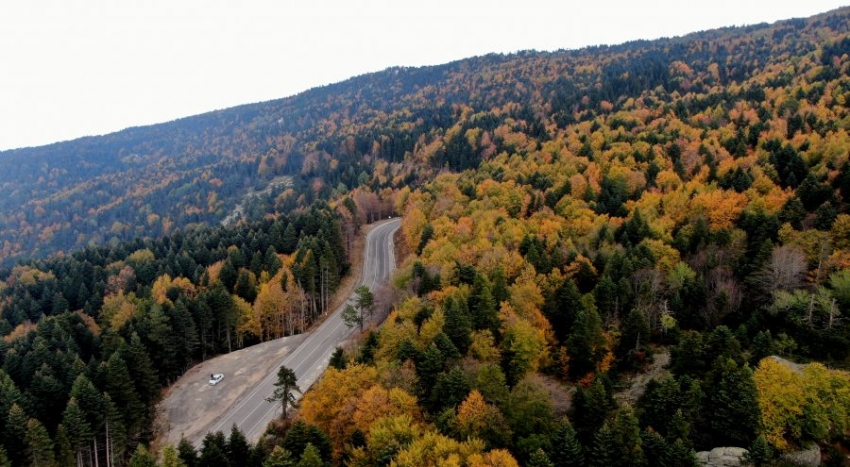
[
  {"x": 810, "y": 457},
  {"x": 723, "y": 457}
]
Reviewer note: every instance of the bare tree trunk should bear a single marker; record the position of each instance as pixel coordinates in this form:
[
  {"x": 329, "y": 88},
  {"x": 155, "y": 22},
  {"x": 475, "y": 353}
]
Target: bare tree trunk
[
  {"x": 203, "y": 345},
  {"x": 831, "y": 313},
  {"x": 820, "y": 261},
  {"x": 811, "y": 309},
  {"x": 286, "y": 318},
  {"x": 96, "y": 460},
  {"x": 327, "y": 289},
  {"x": 301, "y": 299},
  {"x": 321, "y": 309},
  {"x": 108, "y": 447}
]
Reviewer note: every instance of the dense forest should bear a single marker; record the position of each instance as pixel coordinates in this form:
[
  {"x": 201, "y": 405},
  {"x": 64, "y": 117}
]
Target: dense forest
[
  {"x": 91, "y": 338},
  {"x": 575, "y": 220}
]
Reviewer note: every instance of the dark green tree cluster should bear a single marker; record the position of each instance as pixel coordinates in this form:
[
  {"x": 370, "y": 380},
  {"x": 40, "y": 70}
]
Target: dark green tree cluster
[{"x": 80, "y": 391}]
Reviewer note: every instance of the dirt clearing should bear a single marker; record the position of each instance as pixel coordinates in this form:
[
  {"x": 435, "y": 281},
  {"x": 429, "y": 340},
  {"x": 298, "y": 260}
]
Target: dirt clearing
[{"x": 191, "y": 405}]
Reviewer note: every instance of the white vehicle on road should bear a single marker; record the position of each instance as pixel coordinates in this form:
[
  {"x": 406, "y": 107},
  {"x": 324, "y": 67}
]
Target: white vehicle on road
[{"x": 216, "y": 378}]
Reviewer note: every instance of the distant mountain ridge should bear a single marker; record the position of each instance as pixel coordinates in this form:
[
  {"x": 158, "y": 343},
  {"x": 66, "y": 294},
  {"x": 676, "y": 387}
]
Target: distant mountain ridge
[{"x": 149, "y": 181}]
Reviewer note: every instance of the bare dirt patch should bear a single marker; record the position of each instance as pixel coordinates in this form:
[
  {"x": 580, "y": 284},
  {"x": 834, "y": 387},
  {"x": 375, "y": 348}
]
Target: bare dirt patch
[{"x": 638, "y": 382}]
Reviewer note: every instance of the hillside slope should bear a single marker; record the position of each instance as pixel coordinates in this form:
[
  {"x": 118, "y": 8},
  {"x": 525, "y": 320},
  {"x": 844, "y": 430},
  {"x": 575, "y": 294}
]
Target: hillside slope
[
  {"x": 570, "y": 215},
  {"x": 400, "y": 125}
]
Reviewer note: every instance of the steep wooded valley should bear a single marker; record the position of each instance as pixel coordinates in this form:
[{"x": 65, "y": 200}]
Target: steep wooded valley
[{"x": 572, "y": 218}]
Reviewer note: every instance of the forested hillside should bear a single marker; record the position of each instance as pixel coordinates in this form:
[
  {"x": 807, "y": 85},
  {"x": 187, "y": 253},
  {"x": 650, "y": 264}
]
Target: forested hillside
[
  {"x": 90, "y": 338},
  {"x": 571, "y": 216}
]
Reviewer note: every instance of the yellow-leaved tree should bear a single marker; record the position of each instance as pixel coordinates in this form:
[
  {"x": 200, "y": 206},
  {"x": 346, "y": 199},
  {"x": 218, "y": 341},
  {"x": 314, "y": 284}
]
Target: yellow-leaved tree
[
  {"x": 802, "y": 404},
  {"x": 331, "y": 403},
  {"x": 117, "y": 310}
]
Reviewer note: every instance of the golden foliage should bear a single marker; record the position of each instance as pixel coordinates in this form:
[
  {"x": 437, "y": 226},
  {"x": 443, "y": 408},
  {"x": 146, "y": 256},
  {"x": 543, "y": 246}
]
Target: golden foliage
[
  {"x": 329, "y": 405},
  {"x": 796, "y": 403},
  {"x": 378, "y": 402},
  {"x": 214, "y": 271},
  {"x": 527, "y": 343},
  {"x": 494, "y": 458},
  {"x": 117, "y": 310},
  {"x": 434, "y": 449},
  {"x": 247, "y": 321},
  {"x": 163, "y": 284},
  {"x": 483, "y": 347},
  {"x": 269, "y": 310},
  {"x": 720, "y": 207},
  {"x": 141, "y": 256}
]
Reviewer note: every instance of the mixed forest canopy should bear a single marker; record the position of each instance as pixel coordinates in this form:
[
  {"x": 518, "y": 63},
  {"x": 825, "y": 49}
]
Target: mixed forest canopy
[{"x": 572, "y": 218}]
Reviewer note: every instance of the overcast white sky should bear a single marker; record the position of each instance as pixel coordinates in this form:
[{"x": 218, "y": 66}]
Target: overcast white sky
[{"x": 77, "y": 68}]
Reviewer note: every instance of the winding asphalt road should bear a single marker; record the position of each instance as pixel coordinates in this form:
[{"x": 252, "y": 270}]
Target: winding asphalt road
[{"x": 310, "y": 359}]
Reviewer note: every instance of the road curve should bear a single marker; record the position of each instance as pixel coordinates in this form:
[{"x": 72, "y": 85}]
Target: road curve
[{"x": 252, "y": 413}]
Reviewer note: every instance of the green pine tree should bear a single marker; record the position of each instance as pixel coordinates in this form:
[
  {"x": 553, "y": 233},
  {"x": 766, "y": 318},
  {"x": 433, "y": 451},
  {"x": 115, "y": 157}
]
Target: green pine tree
[
  {"x": 566, "y": 450},
  {"x": 9, "y": 395},
  {"x": 680, "y": 454},
  {"x": 14, "y": 436},
  {"x": 310, "y": 457},
  {"x": 290, "y": 239},
  {"x": 272, "y": 262},
  {"x": 365, "y": 302},
  {"x": 120, "y": 386},
  {"x": 654, "y": 448},
  {"x": 482, "y": 305},
  {"x": 586, "y": 343},
  {"x": 39, "y": 445},
  {"x": 338, "y": 359},
  {"x": 279, "y": 457},
  {"x": 89, "y": 400},
  {"x": 214, "y": 451},
  {"x": 732, "y": 399},
  {"x": 539, "y": 459},
  {"x": 563, "y": 311},
  {"x": 458, "y": 325},
  {"x": 626, "y": 442},
  {"x": 634, "y": 338},
  {"x": 142, "y": 457},
  {"x": 285, "y": 388},
  {"x": 759, "y": 452},
  {"x": 64, "y": 452},
  {"x": 170, "y": 457},
  {"x": 4, "y": 459},
  {"x": 351, "y": 318},
  {"x": 114, "y": 430},
  {"x": 301, "y": 434},
  {"x": 602, "y": 452},
  {"x": 591, "y": 407},
  {"x": 79, "y": 431},
  {"x": 187, "y": 453},
  {"x": 246, "y": 285},
  {"x": 238, "y": 448}
]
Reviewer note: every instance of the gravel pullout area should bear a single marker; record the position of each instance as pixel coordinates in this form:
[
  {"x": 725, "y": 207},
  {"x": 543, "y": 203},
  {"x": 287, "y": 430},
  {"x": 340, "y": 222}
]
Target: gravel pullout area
[{"x": 190, "y": 406}]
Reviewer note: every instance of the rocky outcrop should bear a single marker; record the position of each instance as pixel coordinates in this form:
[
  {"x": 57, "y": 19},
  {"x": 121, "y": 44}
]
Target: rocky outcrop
[
  {"x": 722, "y": 457},
  {"x": 807, "y": 458}
]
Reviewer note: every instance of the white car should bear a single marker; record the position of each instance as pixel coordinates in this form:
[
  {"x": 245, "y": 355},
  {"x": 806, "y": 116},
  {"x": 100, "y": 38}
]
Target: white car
[{"x": 216, "y": 378}]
